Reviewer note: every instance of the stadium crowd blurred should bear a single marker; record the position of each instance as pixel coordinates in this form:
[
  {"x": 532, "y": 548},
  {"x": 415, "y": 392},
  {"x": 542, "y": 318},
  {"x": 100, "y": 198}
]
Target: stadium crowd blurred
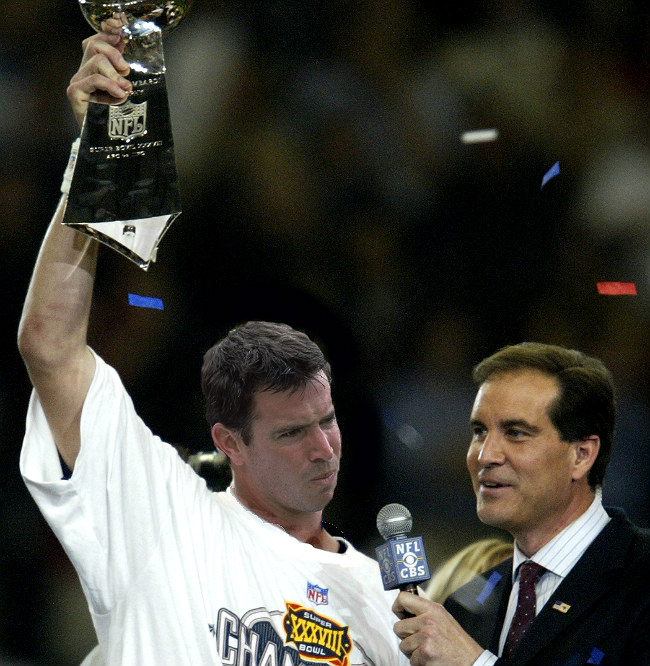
[{"x": 325, "y": 184}]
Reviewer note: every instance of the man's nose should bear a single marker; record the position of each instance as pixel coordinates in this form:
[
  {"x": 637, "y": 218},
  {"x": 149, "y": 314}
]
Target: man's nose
[
  {"x": 321, "y": 447},
  {"x": 491, "y": 450}
]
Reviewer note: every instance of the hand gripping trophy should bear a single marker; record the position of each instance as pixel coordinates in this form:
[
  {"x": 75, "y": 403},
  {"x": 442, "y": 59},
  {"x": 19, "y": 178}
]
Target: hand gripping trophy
[{"x": 124, "y": 189}]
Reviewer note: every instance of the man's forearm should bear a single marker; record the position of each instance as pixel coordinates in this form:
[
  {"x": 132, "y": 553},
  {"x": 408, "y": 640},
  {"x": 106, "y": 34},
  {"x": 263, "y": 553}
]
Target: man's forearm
[
  {"x": 53, "y": 328},
  {"x": 57, "y": 307}
]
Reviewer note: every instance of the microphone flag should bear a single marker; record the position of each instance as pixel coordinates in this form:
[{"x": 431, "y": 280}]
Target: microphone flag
[{"x": 402, "y": 562}]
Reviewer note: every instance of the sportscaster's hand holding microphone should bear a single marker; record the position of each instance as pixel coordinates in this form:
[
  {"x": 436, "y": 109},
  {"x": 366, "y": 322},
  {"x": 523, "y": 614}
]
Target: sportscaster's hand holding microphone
[{"x": 430, "y": 635}]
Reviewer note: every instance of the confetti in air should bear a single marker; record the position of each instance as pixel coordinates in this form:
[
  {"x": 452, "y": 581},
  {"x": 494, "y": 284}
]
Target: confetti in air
[
  {"x": 596, "y": 656},
  {"x": 489, "y": 586},
  {"x": 145, "y": 302},
  {"x": 616, "y": 288},
  {"x": 551, "y": 173},
  {"x": 479, "y": 136}
]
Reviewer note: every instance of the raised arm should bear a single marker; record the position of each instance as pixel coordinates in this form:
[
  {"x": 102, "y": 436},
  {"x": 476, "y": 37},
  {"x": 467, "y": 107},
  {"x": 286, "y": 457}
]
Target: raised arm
[{"x": 54, "y": 322}]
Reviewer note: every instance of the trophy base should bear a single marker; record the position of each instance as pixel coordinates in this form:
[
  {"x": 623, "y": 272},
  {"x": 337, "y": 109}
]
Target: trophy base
[{"x": 137, "y": 240}]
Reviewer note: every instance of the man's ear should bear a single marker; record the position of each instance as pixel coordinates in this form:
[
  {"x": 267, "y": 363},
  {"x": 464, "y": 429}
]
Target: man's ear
[
  {"x": 586, "y": 452},
  {"x": 228, "y": 442}
]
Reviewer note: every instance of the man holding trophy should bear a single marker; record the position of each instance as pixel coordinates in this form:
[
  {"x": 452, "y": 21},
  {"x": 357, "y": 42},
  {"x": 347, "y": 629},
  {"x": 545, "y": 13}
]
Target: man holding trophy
[{"x": 174, "y": 573}]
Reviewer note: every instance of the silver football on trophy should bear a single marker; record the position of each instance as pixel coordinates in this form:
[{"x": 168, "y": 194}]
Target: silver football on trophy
[{"x": 166, "y": 14}]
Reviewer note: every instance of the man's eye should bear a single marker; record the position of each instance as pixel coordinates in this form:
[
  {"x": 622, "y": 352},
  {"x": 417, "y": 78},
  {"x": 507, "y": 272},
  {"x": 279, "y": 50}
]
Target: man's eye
[
  {"x": 516, "y": 434},
  {"x": 329, "y": 422}
]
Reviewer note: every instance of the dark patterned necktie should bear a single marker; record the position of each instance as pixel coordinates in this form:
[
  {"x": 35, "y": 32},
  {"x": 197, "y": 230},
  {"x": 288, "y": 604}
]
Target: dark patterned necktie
[{"x": 529, "y": 574}]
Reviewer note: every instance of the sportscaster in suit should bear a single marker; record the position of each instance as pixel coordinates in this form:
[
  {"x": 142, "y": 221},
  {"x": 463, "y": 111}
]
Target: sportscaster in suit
[{"x": 577, "y": 589}]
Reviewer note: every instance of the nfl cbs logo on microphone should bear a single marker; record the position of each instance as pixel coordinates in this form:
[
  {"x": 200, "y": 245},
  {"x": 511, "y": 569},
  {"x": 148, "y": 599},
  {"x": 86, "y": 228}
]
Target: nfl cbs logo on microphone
[{"x": 402, "y": 561}]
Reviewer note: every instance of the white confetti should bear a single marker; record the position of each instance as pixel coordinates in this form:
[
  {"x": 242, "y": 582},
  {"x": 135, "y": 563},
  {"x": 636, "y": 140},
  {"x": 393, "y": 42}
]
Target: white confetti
[{"x": 479, "y": 136}]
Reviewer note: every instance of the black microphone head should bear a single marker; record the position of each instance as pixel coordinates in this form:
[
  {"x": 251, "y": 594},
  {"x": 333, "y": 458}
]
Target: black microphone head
[{"x": 394, "y": 520}]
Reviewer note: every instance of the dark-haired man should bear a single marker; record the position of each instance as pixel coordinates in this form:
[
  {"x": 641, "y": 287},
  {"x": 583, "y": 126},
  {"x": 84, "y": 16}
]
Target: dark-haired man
[
  {"x": 175, "y": 574},
  {"x": 576, "y": 590}
]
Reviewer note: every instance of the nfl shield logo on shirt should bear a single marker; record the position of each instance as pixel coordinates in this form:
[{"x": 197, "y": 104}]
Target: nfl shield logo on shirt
[{"x": 316, "y": 594}]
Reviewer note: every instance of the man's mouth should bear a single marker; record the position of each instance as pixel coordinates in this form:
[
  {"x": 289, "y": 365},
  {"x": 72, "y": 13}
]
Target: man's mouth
[
  {"x": 326, "y": 476},
  {"x": 492, "y": 484}
]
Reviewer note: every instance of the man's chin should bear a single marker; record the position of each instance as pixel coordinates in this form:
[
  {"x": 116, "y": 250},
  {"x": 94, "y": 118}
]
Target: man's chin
[
  {"x": 327, "y": 496},
  {"x": 489, "y": 516},
  {"x": 321, "y": 501}
]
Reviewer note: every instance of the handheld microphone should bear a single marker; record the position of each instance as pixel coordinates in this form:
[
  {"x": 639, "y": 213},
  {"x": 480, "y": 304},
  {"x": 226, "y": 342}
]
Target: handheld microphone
[{"x": 402, "y": 560}]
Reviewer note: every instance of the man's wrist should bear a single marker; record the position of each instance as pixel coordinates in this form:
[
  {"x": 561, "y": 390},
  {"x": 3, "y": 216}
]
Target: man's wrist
[
  {"x": 69, "y": 170},
  {"x": 486, "y": 658}
]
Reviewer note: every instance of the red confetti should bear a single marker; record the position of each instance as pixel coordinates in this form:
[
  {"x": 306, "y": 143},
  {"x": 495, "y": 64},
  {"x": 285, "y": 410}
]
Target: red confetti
[{"x": 616, "y": 288}]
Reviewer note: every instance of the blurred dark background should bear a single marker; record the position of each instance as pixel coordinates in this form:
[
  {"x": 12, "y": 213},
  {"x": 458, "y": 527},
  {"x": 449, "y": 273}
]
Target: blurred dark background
[{"x": 325, "y": 184}]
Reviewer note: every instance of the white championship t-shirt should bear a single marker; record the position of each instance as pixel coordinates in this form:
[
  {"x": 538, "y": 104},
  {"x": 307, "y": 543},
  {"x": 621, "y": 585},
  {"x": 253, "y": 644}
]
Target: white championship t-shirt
[{"x": 176, "y": 575}]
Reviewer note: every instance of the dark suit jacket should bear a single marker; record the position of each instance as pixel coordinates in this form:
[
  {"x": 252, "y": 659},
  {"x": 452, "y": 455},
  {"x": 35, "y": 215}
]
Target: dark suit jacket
[{"x": 606, "y": 599}]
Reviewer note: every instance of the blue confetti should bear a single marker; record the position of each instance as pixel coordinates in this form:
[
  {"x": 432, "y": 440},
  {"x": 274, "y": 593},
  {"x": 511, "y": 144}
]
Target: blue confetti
[
  {"x": 146, "y": 302},
  {"x": 490, "y": 584},
  {"x": 551, "y": 173},
  {"x": 596, "y": 656}
]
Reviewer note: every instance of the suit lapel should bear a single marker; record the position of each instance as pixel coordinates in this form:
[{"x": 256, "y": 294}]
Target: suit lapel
[
  {"x": 589, "y": 579},
  {"x": 481, "y": 605}
]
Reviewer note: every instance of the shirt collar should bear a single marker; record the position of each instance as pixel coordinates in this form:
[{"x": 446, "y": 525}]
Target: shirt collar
[{"x": 565, "y": 548}]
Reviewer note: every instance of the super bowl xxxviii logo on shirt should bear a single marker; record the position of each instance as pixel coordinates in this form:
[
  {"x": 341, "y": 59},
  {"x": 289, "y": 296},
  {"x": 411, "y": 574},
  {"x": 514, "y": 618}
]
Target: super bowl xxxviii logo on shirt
[
  {"x": 317, "y": 637},
  {"x": 254, "y": 640}
]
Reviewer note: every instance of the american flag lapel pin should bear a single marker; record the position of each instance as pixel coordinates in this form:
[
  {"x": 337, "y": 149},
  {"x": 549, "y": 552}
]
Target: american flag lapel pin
[{"x": 561, "y": 606}]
